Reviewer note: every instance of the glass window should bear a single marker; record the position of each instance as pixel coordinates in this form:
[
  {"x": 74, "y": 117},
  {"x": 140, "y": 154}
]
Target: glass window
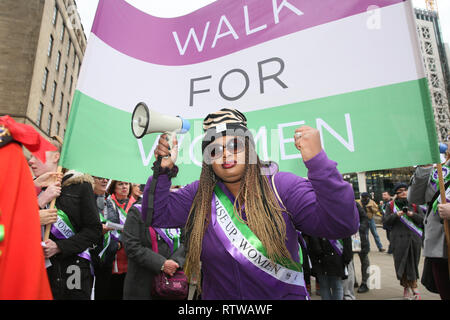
[
  {"x": 55, "y": 15},
  {"x": 39, "y": 114},
  {"x": 49, "y": 124},
  {"x": 63, "y": 30},
  {"x": 71, "y": 83},
  {"x": 67, "y": 110},
  {"x": 44, "y": 80},
  {"x": 50, "y": 46},
  {"x": 61, "y": 103},
  {"x": 53, "y": 91},
  {"x": 58, "y": 126},
  {"x": 58, "y": 60},
  {"x": 65, "y": 73}
]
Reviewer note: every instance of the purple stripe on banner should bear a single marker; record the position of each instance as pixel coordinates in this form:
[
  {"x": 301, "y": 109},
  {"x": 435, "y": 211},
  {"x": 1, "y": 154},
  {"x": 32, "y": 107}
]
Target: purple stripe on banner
[
  {"x": 251, "y": 269},
  {"x": 216, "y": 30}
]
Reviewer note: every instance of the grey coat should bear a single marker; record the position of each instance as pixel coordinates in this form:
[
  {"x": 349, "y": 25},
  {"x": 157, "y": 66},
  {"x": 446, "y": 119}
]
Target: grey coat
[
  {"x": 143, "y": 262},
  {"x": 421, "y": 192},
  {"x": 406, "y": 244}
]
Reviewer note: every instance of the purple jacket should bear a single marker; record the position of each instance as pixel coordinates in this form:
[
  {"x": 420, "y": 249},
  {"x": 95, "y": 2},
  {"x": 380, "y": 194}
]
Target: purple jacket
[{"x": 322, "y": 206}]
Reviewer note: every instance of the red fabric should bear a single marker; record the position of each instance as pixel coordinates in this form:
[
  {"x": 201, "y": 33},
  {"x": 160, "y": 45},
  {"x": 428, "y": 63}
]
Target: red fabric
[
  {"x": 22, "y": 272},
  {"x": 28, "y": 137},
  {"x": 122, "y": 262},
  {"x": 121, "y": 256}
]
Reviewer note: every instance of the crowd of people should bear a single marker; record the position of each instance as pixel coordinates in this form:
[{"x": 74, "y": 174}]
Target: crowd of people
[{"x": 239, "y": 232}]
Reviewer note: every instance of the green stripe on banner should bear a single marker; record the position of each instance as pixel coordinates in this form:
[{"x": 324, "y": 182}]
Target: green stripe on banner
[{"x": 354, "y": 127}]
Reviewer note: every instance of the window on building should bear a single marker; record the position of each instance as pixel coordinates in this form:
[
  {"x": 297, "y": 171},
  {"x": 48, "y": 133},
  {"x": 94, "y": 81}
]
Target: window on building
[
  {"x": 44, "y": 80},
  {"x": 49, "y": 124},
  {"x": 65, "y": 73},
  {"x": 434, "y": 80},
  {"x": 438, "y": 99},
  {"x": 428, "y": 48},
  {"x": 61, "y": 103},
  {"x": 50, "y": 46},
  {"x": 431, "y": 64},
  {"x": 71, "y": 84},
  {"x": 53, "y": 91},
  {"x": 63, "y": 30},
  {"x": 426, "y": 33},
  {"x": 58, "y": 60},
  {"x": 55, "y": 15},
  {"x": 58, "y": 126},
  {"x": 67, "y": 110},
  {"x": 68, "y": 47},
  {"x": 39, "y": 114}
]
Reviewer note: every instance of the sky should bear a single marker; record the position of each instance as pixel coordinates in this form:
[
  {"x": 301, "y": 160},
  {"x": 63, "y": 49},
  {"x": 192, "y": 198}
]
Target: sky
[{"x": 174, "y": 8}]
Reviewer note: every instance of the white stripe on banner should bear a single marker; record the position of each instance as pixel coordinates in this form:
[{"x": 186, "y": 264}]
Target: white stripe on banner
[{"x": 339, "y": 57}]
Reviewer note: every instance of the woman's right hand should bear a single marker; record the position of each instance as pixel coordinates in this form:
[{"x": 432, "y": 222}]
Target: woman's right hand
[
  {"x": 48, "y": 216},
  {"x": 163, "y": 149},
  {"x": 170, "y": 267}
]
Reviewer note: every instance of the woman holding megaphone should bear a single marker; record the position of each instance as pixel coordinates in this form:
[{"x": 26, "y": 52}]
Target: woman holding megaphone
[{"x": 241, "y": 220}]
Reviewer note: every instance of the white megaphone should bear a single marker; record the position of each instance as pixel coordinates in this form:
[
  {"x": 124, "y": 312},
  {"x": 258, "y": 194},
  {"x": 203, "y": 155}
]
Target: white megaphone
[{"x": 145, "y": 121}]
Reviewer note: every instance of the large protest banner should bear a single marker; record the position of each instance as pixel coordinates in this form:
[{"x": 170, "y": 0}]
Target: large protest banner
[{"x": 350, "y": 68}]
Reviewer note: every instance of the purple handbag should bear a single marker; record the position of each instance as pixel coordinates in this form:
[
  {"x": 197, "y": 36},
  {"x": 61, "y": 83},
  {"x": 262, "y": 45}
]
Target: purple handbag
[{"x": 164, "y": 286}]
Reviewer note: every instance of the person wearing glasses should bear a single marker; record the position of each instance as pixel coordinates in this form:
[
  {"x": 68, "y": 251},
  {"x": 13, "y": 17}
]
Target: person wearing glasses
[
  {"x": 406, "y": 223},
  {"x": 242, "y": 217}
]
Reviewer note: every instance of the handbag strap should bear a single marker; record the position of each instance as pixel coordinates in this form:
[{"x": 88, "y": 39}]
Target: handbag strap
[{"x": 154, "y": 241}]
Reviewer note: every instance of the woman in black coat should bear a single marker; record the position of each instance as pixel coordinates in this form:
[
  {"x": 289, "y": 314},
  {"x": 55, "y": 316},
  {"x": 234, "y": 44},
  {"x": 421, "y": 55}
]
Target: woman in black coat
[
  {"x": 143, "y": 263},
  {"x": 72, "y": 262},
  {"x": 406, "y": 243},
  {"x": 329, "y": 265}
]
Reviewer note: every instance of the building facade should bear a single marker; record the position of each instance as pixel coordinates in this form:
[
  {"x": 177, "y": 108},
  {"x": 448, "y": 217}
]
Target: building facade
[
  {"x": 42, "y": 45},
  {"x": 436, "y": 68}
]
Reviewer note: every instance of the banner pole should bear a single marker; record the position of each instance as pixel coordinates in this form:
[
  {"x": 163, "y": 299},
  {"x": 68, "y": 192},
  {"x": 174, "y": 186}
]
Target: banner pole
[
  {"x": 52, "y": 206},
  {"x": 446, "y": 221}
]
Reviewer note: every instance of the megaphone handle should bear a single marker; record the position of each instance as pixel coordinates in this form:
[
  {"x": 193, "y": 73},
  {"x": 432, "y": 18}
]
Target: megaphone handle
[
  {"x": 170, "y": 140},
  {"x": 151, "y": 192}
]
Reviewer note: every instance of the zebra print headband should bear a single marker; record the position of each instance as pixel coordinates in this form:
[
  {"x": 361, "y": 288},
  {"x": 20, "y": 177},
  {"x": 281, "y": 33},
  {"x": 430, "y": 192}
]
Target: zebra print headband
[{"x": 230, "y": 122}]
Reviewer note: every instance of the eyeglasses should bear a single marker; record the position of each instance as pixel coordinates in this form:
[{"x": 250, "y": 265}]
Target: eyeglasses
[
  {"x": 235, "y": 146},
  {"x": 401, "y": 191},
  {"x": 99, "y": 178}
]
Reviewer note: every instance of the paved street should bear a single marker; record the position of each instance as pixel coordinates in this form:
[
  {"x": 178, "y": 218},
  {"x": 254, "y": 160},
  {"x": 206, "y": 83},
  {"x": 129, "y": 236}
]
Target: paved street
[{"x": 390, "y": 288}]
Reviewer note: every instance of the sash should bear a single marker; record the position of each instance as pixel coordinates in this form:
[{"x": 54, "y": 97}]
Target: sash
[
  {"x": 63, "y": 229},
  {"x": 438, "y": 200},
  {"x": 243, "y": 245},
  {"x": 338, "y": 246},
  {"x": 106, "y": 238},
  {"x": 170, "y": 235},
  {"x": 434, "y": 179},
  {"x": 408, "y": 222}
]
